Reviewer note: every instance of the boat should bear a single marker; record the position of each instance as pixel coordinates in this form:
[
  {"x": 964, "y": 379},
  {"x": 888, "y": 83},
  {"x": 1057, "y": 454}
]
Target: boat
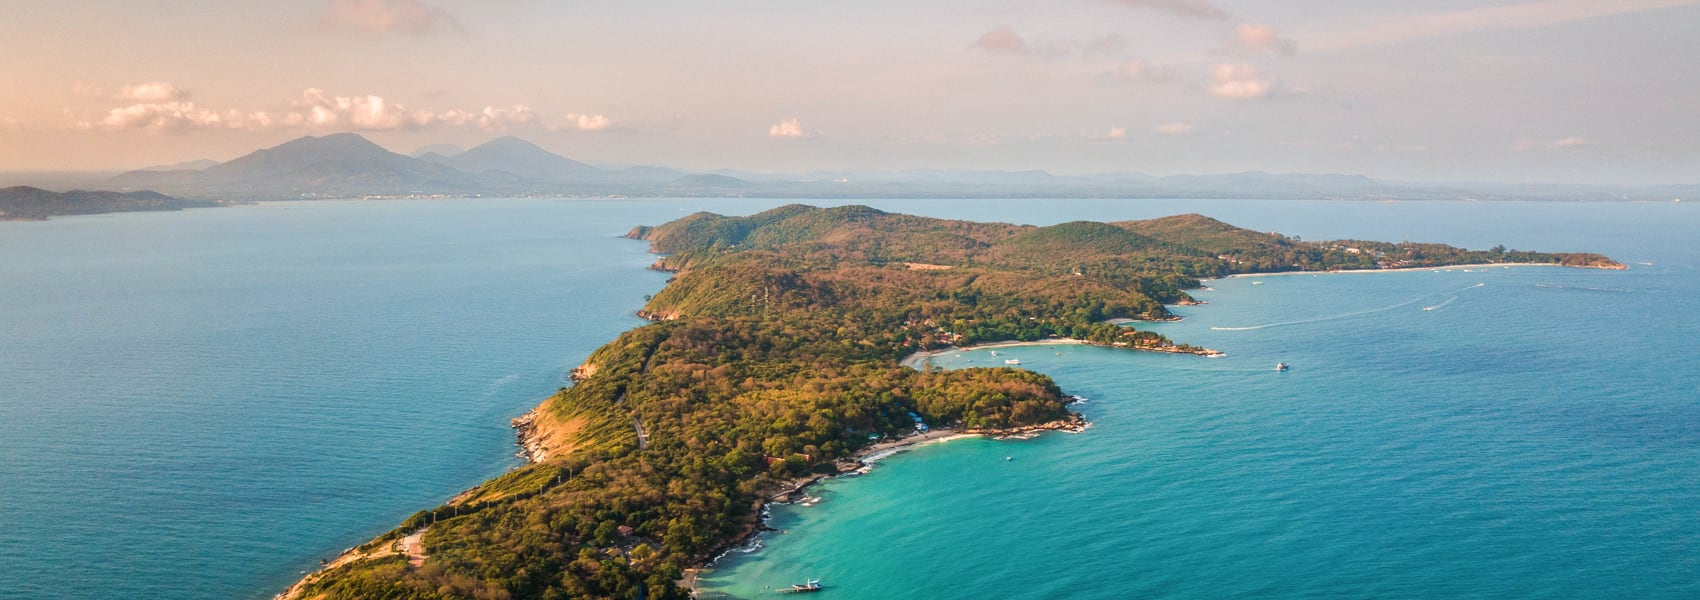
[
  {"x": 1012, "y": 361},
  {"x": 812, "y": 585},
  {"x": 1281, "y": 366}
]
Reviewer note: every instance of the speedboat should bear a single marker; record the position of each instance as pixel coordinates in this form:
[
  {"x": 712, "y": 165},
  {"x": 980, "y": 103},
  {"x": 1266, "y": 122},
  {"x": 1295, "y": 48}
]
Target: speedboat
[{"x": 1280, "y": 366}]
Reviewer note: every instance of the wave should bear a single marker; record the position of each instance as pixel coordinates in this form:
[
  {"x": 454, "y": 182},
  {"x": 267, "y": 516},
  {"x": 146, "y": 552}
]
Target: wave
[{"x": 1350, "y": 314}]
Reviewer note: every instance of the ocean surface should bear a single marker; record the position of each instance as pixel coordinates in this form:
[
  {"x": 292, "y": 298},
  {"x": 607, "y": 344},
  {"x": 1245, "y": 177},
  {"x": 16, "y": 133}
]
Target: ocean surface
[{"x": 203, "y": 404}]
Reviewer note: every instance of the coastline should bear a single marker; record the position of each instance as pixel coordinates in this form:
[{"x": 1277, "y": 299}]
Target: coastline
[
  {"x": 1410, "y": 269},
  {"x": 863, "y": 461},
  {"x": 919, "y": 359}
]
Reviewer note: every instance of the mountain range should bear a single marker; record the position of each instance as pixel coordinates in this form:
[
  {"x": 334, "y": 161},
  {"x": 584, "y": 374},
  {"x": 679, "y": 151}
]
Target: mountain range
[{"x": 347, "y": 165}]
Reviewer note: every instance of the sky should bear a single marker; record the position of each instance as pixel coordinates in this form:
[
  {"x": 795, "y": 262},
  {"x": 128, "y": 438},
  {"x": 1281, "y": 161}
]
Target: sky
[{"x": 1566, "y": 91}]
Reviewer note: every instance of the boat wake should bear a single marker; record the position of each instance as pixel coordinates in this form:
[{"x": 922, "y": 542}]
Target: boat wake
[
  {"x": 1355, "y": 314},
  {"x": 1449, "y": 300},
  {"x": 1554, "y": 286}
]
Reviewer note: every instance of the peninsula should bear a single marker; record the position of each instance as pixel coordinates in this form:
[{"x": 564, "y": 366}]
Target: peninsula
[
  {"x": 773, "y": 359},
  {"x": 23, "y": 203}
]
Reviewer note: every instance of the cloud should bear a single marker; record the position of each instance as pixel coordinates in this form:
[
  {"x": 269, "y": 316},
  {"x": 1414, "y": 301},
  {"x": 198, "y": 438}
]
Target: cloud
[
  {"x": 164, "y": 107},
  {"x": 1239, "y": 82},
  {"x": 374, "y": 113},
  {"x": 1139, "y": 69},
  {"x": 153, "y": 91},
  {"x": 585, "y": 122},
  {"x": 1546, "y": 13},
  {"x": 1563, "y": 143},
  {"x": 789, "y": 129},
  {"x": 1199, "y": 9},
  {"x": 1002, "y": 38},
  {"x": 387, "y": 16},
  {"x": 1176, "y": 128},
  {"x": 1255, "y": 38},
  {"x": 977, "y": 139},
  {"x": 1115, "y": 134}
]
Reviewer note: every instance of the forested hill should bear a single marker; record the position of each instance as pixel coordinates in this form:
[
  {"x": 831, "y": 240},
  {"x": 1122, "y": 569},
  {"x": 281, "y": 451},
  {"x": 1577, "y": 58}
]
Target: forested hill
[
  {"x": 774, "y": 356},
  {"x": 1188, "y": 245},
  {"x": 24, "y": 203}
]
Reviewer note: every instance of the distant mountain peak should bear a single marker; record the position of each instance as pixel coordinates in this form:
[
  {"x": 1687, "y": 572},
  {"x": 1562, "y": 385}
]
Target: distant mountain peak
[
  {"x": 519, "y": 157},
  {"x": 442, "y": 150}
]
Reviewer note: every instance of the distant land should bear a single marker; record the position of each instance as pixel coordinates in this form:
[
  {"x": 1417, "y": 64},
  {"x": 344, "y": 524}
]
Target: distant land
[
  {"x": 774, "y": 360},
  {"x": 347, "y": 165},
  {"x": 23, "y": 203}
]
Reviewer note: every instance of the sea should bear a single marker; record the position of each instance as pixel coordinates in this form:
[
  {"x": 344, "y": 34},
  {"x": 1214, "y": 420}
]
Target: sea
[{"x": 205, "y": 404}]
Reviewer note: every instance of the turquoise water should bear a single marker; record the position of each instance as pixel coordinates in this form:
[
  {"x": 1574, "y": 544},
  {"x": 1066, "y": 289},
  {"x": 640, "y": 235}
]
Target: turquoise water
[
  {"x": 202, "y": 404},
  {"x": 1537, "y": 435}
]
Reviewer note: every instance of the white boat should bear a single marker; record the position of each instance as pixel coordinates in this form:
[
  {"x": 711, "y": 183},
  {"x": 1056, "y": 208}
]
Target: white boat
[
  {"x": 1012, "y": 362},
  {"x": 1281, "y": 366}
]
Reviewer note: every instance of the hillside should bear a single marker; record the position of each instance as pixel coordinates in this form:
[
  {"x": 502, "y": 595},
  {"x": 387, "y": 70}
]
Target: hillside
[
  {"x": 33, "y": 204},
  {"x": 774, "y": 359}
]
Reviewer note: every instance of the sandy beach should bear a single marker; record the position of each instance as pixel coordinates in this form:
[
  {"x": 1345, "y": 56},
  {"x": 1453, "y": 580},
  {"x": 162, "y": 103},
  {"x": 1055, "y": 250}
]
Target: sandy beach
[{"x": 918, "y": 359}]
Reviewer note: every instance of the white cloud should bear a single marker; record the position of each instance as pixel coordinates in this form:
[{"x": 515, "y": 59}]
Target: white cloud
[
  {"x": 788, "y": 129},
  {"x": 585, "y": 122},
  {"x": 1176, "y": 128},
  {"x": 1544, "y": 13},
  {"x": 163, "y": 107},
  {"x": 387, "y": 16},
  {"x": 151, "y": 92},
  {"x": 1115, "y": 134},
  {"x": 1567, "y": 142},
  {"x": 1201, "y": 9},
  {"x": 1256, "y": 38},
  {"x": 161, "y": 116},
  {"x": 374, "y": 113},
  {"x": 1239, "y": 82}
]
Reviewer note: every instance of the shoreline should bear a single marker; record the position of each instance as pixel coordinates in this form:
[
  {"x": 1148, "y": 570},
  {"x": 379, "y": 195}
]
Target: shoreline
[
  {"x": 1408, "y": 269},
  {"x": 862, "y": 462},
  {"x": 919, "y": 358}
]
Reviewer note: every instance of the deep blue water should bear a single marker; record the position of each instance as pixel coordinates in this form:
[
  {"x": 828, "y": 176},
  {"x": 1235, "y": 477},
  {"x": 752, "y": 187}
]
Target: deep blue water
[{"x": 201, "y": 404}]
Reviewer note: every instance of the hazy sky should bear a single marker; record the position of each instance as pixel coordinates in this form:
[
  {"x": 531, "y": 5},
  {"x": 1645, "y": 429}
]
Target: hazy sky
[{"x": 1558, "y": 90}]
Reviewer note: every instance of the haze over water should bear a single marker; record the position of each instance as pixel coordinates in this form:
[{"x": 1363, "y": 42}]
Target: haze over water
[{"x": 201, "y": 404}]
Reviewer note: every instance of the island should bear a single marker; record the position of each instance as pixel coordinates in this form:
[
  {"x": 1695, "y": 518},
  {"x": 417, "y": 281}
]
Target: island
[{"x": 773, "y": 360}]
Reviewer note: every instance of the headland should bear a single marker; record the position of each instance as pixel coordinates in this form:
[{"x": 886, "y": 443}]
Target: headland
[{"x": 775, "y": 358}]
